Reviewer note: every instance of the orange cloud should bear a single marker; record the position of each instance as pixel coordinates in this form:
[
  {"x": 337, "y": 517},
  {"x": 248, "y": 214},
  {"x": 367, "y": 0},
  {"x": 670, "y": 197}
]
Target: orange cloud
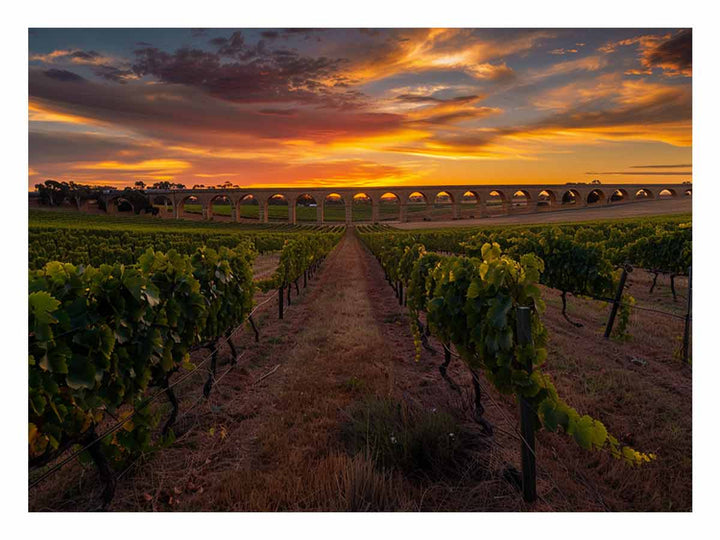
[
  {"x": 438, "y": 48},
  {"x": 73, "y": 56},
  {"x": 40, "y": 113},
  {"x": 150, "y": 166}
]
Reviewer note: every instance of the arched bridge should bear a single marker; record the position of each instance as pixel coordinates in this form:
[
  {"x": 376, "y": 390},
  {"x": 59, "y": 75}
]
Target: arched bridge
[{"x": 458, "y": 201}]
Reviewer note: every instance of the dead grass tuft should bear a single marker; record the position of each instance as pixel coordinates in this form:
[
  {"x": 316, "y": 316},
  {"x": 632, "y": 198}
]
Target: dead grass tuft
[{"x": 399, "y": 436}]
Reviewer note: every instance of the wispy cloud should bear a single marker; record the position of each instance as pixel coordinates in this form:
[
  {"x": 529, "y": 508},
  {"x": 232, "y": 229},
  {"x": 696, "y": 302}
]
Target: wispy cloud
[
  {"x": 680, "y": 166},
  {"x": 649, "y": 173}
]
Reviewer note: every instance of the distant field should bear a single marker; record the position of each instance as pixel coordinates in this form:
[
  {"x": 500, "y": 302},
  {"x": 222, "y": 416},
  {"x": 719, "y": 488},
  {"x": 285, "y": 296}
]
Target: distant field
[
  {"x": 71, "y": 219},
  {"x": 640, "y": 209},
  {"x": 332, "y": 212}
]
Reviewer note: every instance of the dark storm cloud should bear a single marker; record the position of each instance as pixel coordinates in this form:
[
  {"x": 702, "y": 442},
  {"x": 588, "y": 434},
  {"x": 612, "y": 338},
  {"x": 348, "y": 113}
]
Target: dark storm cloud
[
  {"x": 257, "y": 75},
  {"x": 420, "y": 98},
  {"x": 87, "y": 56},
  {"x": 232, "y": 46},
  {"x": 113, "y": 73},
  {"x": 670, "y": 53},
  {"x": 63, "y": 75},
  {"x": 675, "y": 53}
]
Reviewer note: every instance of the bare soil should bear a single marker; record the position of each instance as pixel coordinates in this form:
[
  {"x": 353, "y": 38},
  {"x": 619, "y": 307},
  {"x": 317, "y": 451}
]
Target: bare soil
[
  {"x": 270, "y": 435},
  {"x": 265, "y": 265}
]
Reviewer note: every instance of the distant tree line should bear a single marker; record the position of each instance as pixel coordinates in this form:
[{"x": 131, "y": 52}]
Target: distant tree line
[{"x": 54, "y": 193}]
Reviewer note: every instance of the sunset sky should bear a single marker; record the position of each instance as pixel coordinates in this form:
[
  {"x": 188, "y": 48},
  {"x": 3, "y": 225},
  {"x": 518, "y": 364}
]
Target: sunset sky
[{"x": 360, "y": 107}]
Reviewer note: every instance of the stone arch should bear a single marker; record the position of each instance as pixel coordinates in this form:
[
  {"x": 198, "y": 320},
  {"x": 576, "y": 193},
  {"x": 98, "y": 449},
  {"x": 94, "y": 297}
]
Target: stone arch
[
  {"x": 619, "y": 195},
  {"x": 277, "y": 208},
  {"x": 334, "y": 207},
  {"x": 496, "y": 201},
  {"x": 471, "y": 205},
  {"x": 667, "y": 193},
  {"x": 362, "y": 205},
  {"x": 120, "y": 204},
  {"x": 521, "y": 198},
  {"x": 644, "y": 193},
  {"x": 195, "y": 206},
  {"x": 571, "y": 197},
  {"x": 417, "y": 197},
  {"x": 305, "y": 208},
  {"x": 443, "y": 205},
  {"x": 161, "y": 203},
  {"x": 595, "y": 196},
  {"x": 388, "y": 206},
  {"x": 247, "y": 207},
  {"x": 445, "y": 197},
  {"x": 221, "y": 206},
  {"x": 687, "y": 192},
  {"x": 546, "y": 198},
  {"x": 418, "y": 205}
]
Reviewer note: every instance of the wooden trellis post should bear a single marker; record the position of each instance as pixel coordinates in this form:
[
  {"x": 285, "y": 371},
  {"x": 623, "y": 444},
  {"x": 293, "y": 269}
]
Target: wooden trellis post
[{"x": 527, "y": 416}]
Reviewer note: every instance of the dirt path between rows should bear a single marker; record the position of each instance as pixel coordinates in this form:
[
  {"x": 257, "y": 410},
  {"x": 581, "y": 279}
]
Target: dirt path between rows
[
  {"x": 274, "y": 445},
  {"x": 277, "y": 444}
]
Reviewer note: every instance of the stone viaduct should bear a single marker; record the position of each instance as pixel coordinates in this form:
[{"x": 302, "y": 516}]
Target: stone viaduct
[{"x": 507, "y": 199}]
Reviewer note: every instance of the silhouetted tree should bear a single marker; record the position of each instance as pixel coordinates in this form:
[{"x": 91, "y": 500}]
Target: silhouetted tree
[{"x": 52, "y": 192}]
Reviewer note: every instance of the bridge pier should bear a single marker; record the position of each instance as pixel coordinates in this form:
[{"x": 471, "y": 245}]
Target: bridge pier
[
  {"x": 320, "y": 210},
  {"x": 482, "y": 205},
  {"x": 375, "y": 210},
  {"x": 403, "y": 212},
  {"x": 292, "y": 212}
]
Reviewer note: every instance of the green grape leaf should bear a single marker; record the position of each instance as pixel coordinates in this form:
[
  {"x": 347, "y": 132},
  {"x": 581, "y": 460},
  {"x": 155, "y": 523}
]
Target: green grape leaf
[
  {"x": 81, "y": 373},
  {"x": 42, "y": 306}
]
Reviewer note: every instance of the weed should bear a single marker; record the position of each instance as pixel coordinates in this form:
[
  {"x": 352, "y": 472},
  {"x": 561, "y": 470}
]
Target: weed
[{"x": 398, "y": 436}]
